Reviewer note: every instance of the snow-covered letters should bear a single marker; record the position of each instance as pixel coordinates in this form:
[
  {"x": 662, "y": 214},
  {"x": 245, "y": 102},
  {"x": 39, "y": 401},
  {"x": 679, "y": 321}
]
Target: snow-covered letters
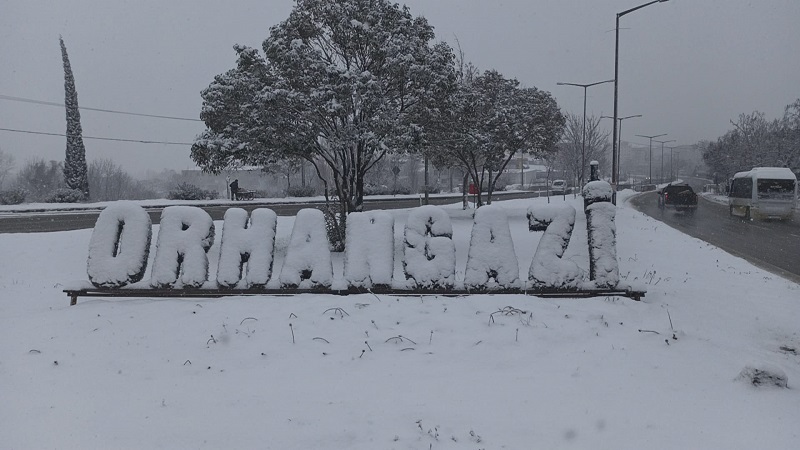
[
  {"x": 251, "y": 242},
  {"x": 369, "y": 249},
  {"x": 548, "y": 269},
  {"x": 430, "y": 255},
  {"x": 120, "y": 243},
  {"x": 185, "y": 236},
  {"x": 308, "y": 259},
  {"x": 491, "y": 261},
  {"x": 119, "y": 246}
]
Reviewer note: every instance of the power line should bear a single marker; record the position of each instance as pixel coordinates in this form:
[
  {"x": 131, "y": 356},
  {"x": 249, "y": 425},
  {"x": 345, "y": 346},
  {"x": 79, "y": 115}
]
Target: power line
[
  {"x": 97, "y": 138},
  {"x": 41, "y": 102}
]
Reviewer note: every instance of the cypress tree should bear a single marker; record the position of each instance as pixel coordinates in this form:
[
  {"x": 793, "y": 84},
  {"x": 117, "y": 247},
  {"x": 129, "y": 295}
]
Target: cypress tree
[{"x": 75, "y": 169}]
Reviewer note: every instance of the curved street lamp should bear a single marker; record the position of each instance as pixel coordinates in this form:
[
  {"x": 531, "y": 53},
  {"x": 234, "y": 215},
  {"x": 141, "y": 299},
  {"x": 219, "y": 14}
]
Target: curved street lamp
[
  {"x": 583, "y": 144},
  {"x": 671, "y": 173},
  {"x": 651, "y": 152},
  {"x": 619, "y": 140},
  {"x": 616, "y": 89},
  {"x": 661, "y": 174}
]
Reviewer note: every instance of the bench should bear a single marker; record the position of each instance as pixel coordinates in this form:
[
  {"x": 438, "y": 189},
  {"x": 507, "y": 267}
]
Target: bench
[
  {"x": 73, "y": 294},
  {"x": 244, "y": 194}
]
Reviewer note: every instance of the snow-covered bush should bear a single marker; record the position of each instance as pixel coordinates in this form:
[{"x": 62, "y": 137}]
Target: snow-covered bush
[
  {"x": 185, "y": 235},
  {"x": 603, "y": 264},
  {"x": 430, "y": 255},
  {"x": 65, "y": 195},
  {"x": 369, "y": 251},
  {"x": 13, "y": 196},
  {"x": 491, "y": 261},
  {"x": 548, "y": 269},
  {"x": 335, "y": 225},
  {"x": 300, "y": 191},
  {"x": 597, "y": 191},
  {"x": 401, "y": 189},
  {"x": 376, "y": 189},
  {"x": 187, "y": 191},
  {"x": 119, "y": 246},
  {"x": 308, "y": 260},
  {"x": 251, "y": 242},
  {"x": 764, "y": 375}
]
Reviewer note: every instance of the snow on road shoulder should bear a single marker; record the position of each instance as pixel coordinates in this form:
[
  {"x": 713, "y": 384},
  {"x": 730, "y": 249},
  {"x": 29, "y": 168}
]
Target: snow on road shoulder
[{"x": 366, "y": 372}]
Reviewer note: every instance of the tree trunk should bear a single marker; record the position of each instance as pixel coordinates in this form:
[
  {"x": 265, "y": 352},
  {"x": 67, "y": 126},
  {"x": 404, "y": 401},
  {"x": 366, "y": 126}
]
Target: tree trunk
[
  {"x": 465, "y": 191},
  {"x": 489, "y": 188},
  {"x": 478, "y": 188},
  {"x": 451, "y": 179},
  {"x": 426, "y": 180},
  {"x": 359, "y": 193}
]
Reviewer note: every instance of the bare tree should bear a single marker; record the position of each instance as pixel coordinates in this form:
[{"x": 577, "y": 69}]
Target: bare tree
[
  {"x": 40, "y": 178},
  {"x": 755, "y": 141},
  {"x": 109, "y": 182},
  {"x": 7, "y": 165},
  {"x": 570, "y": 154}
]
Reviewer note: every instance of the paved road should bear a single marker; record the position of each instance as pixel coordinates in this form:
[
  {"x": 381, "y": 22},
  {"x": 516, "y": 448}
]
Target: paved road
[
  {"x": 75, "y": 220},
  {"x": 773, "y": 245}
]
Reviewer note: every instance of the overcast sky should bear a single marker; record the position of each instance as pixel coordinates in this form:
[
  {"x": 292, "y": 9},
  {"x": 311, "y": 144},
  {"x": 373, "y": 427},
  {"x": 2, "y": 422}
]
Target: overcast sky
[{"x": 688, "y": 66}]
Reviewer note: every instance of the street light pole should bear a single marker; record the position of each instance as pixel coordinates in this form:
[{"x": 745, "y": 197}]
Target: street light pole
[
  {"x": 616, "y": 90},
  {"x": 583, "y": 140},
  {"x": 619, "y": 139},
  {"x": 661, "y": 174},
  {"x": 671, "y": 173},
  {"x": 651, "y": 152}
]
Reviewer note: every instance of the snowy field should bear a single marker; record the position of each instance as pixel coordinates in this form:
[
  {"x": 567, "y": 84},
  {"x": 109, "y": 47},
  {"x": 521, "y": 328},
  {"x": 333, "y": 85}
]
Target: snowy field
[{"x": 382, "y": 372}]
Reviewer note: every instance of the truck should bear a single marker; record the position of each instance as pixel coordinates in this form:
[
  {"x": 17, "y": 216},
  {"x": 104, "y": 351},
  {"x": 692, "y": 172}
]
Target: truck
[{"x": 678, "y": 197}]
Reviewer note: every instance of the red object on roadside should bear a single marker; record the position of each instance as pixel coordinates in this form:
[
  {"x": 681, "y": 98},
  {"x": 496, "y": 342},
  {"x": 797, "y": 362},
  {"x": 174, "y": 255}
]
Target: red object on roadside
[{"x": 472, "y": 189}]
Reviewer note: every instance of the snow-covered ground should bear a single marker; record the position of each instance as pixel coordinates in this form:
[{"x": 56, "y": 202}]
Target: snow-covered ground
[
  {"x": 716, "y": 198},
  {"x": 387, "y": 372}
]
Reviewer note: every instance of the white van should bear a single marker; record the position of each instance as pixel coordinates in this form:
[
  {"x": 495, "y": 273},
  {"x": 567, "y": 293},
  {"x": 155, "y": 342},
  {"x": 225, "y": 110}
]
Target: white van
[
  {"x": 763, "y": 192},
  {"x": 559, "y": 187}
]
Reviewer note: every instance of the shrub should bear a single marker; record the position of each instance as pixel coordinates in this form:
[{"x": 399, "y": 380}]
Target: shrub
[
  {"x": 500, "y": 185},
  {"x": 401, "y": 189},
  {"x": 187, "y": 191},
  {"x": 300, "y": 191},
  {"x": 335, "y": 225},
  {"x": 13, "y": 197},
  {"x": 376, "y": 189},
  {"x": 433, "y": 189},
  {"x": 65, "y": 195}
]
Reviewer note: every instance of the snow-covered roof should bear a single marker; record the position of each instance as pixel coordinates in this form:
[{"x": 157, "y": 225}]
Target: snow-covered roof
[{"x": 772, "y": 173}]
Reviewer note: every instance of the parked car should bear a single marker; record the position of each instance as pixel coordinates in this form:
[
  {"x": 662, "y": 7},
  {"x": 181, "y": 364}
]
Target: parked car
[
  {"x": 559, "y": 187},
  {"x": 678, "y": 197}
]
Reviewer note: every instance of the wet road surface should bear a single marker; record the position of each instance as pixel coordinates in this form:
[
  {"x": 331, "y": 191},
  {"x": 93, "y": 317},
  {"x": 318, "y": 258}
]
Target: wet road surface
[{"x": 772, "y": 245}]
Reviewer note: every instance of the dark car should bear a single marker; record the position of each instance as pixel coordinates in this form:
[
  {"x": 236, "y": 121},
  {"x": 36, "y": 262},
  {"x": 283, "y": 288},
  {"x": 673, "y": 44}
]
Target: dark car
[{"x": 677, "y": 196}]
